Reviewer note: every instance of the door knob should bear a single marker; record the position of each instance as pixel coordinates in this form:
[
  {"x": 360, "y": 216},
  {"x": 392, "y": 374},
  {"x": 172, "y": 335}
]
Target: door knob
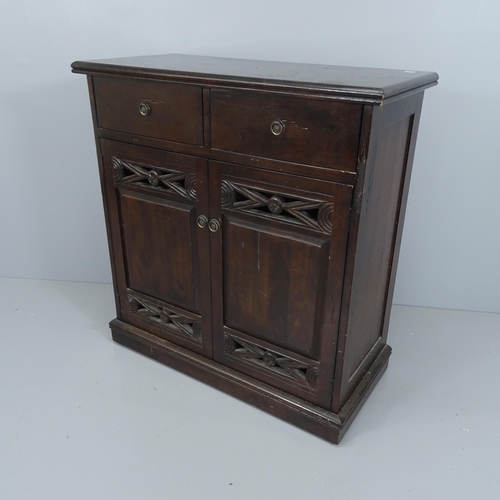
[
  {"x": 214, "y": 225},
  {"x": 202, "y": 221}
]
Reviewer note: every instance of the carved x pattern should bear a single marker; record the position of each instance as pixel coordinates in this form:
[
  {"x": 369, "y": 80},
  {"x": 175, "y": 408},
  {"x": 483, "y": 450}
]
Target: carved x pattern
[
  {"x": 312, "y": 213},
  {"x": 280, "y": 364},
  {"x": 165, "y": 317},
  {"x": 180, "y": 183}
]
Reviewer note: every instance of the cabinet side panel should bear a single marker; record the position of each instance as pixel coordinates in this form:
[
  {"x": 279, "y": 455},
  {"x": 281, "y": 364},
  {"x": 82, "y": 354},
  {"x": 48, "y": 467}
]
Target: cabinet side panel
[
  {"x": 381, "y": 207},
  {"x": 100, "y": 160},
  {"x": 375, "y": 242}
]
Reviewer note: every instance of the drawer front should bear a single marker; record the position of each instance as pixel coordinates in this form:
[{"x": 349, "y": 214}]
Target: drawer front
[
  {"x": 293, "y": 129},
  {"x": 153, "y": 109}
]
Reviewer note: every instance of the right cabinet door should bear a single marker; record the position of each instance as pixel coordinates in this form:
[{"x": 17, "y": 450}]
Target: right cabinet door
[{"x": 278, "y": 258}]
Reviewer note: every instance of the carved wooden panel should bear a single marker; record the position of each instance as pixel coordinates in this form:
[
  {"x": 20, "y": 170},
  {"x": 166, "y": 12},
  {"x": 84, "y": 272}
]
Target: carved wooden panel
[
  {"x": 296, "y": 210},
  {"x": 271, "y": 361},
  {"x": 171, "y": 181},
  {"x": 166, "y": 317}
]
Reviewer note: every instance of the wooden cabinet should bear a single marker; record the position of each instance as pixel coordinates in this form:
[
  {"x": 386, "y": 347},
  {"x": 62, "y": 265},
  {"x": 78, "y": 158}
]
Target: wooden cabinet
[{"x": 254, "y": 221}]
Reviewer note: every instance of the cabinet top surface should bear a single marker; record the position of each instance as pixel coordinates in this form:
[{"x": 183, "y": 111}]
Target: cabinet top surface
[{"x": 359, "y": 84}]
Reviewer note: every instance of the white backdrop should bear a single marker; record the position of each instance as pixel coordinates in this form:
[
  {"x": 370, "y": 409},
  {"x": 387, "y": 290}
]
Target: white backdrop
[{"x": 51, "y": 222}]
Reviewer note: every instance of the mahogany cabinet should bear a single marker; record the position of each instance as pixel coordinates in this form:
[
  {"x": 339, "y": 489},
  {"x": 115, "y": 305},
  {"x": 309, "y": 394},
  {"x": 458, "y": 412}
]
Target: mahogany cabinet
[{"x": 254, "y": 214}]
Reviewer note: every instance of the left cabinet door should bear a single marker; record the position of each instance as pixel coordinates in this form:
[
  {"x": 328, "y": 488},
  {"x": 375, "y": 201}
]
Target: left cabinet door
[{"x": 154, "y": 200}]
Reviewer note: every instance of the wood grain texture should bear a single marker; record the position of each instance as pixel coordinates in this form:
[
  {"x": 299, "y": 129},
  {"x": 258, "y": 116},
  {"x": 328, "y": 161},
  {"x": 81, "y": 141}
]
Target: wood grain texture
[
  {"x": 279, "y": 279},
  {"x": 372, "y": 258},
  {"x": 159, "y": 239},
  {"x": 315, "y": 132},
  {"x": 161, "y": 253},
  {"x": 368, "y": 85},
  {"x": 376, "y": 233},
  {"x": 175, "y": 110},
  {"x": 105, "y": 201},
  {"x": 311, "y": 171},
  {"x": 267, "y": 295}
]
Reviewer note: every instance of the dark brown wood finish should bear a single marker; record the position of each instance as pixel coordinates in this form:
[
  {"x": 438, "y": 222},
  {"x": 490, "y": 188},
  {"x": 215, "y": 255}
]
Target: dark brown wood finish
[
  {"x": 282, "y": 243},
  {"x": 162, "y": 256},
  {"x": 363, "y": 85},
  {"x": 311, "y": 171},
  {"x": 312, "y": 131},
  {"x": 257, "y": 257},
  {"x": 172, "y": 112},
  {"x": 107, "y": 214},
  {"x": 378, "y": 211}
]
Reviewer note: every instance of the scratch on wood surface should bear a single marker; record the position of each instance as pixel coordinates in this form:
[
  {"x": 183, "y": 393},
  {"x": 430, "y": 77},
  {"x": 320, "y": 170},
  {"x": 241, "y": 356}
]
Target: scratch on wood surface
[
  {"x": 258, "y": 252},
  {"x": 295, "y": 124}
]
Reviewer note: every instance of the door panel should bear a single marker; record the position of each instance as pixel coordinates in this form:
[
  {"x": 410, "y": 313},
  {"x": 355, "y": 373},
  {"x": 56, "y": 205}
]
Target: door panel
[
  {"x": 154, "y": 198},
  {"x": 263, "y": 294},
  {"x": 160, "y": 258},
  {"x": 277, "y": 264}
]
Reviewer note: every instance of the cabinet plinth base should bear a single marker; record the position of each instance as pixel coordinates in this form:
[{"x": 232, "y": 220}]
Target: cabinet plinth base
[{"x": 318, "y": 421}]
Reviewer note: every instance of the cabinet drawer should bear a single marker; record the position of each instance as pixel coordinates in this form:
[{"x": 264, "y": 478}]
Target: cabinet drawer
[
  {"x": 286, "y": 128},
  {"x": 154, "y": 109}
]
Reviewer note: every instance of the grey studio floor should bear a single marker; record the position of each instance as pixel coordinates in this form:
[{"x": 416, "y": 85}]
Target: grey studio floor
[{"x": 84, "y": 418}]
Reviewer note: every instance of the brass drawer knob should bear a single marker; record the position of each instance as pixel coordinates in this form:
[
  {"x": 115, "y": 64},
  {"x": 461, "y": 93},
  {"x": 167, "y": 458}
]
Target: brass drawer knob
[
  {"x": 214, "y": 225},
  {"x": 278, "y": 127},
  {"x": 144, "y": 109},
  {"x": 202, "y": 221}
]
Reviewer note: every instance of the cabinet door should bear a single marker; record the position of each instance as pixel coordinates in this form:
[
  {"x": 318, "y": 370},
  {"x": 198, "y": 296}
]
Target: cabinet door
[
  {"x": 160, "y": 254},
  {"x": 277, "y": 270}
]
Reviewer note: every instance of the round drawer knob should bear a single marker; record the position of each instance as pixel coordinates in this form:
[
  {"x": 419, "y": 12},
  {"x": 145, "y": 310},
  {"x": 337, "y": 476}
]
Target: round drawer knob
[
  {"x": 278, "y": 127},
  {"x": 214, "y": 225},
  {"x": 202, "y": 221},
  {"x": 144, "y": 109}
]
